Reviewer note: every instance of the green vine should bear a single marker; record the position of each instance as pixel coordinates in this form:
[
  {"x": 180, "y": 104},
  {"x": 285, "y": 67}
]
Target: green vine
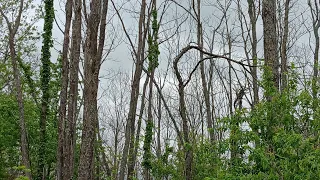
[
  {"x": 45, "y": 76},
  {"x": 153, "y": 64},
  {"x": 146, "y": 146},
  {"x": 153, "y": 43}
]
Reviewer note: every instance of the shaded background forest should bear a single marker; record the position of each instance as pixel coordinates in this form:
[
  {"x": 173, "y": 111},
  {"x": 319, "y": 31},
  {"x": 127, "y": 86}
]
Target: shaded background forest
[{"x": 159, "y": 89}]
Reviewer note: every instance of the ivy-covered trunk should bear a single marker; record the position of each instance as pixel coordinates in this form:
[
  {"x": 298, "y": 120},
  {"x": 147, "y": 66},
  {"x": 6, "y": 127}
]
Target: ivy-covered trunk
[
  {"x": 45, "y": 79},
  {"x": 153, "y": 64}
]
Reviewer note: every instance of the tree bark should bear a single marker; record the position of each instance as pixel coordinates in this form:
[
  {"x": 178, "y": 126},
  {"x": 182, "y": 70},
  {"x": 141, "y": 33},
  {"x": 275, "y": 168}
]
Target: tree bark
[
  {"x": 23, "y": 131},
  {"x": 130, "y": 126},
  {"x": 203, "y": 76},
  {"x": 148, "y": 133},
  {"x": 183, "y": 114},
  {"x": 254, "y": 43},
  {"x": 284, "y": 59},
  {"x": 13, "y": 28},
  {"x": 92, "y": 62},
  {"x": 64, "y": 90},
  {"x": 70, "y": 138},
  {"x": 45, "y": 76},
  {"x": 270, "y": 39},
  {"x": 137, "y": 138}
]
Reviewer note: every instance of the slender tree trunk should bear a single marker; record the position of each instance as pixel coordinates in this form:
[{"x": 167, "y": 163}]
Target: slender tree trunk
[
  {"x": 101, "y": 155},
  {"x": 148, "y": 134},
  {"x": 93, "y": 55},
  {"x": 63, "y": 92},
  {"x": 137, "y": 138},
  {"x": 284, "y": 59},
  {"x": 270, "y": 39},
  {"x": 70, "y": 128},
  {"x": 254, "y": 43},
  {"x": 183, "y": 114},
  {"x": 13, "y": 28},
  {"x": 159, "y": 128},
  {"x": 115, "y": 159},
  {"x": 18, "y": 87},
  {"x": 229, "y": 73},
  {"x": 130, "y": 127},
  {"x": 153, "y": 64},
  {"x": 203, "y": 77}
]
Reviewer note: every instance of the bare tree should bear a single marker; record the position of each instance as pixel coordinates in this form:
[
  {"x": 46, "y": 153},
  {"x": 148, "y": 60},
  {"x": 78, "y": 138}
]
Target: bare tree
[
  {"x": 202, "y": 71},
  {"x": 128, "y": 148}
]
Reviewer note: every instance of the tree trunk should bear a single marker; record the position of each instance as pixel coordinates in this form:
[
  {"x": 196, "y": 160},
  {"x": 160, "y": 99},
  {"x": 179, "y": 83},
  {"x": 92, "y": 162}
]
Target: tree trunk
[
  {"x": 148, "y": 134},
  {"x": 159, "y": 128},
  {"x": 203, "y": 77},
  {"x": 68, "y": 154},
  {"x": 130, "y": 126},
  {"x": 183, "y": 114},
  {"x": 23, "y": 131},
  {"x": 270, "y": 39},
  {"x": 45, "y": 76},
  {"x": 92, "y": 63},
  {"x": 13, "y": 28},
  {"x": 137, "y": 138},
  {"x": 315, "y": 14},
  {"x": 253, "y": 21},
  {"x": 64, "y": 90},
  {"x": 284, "y": 59}
]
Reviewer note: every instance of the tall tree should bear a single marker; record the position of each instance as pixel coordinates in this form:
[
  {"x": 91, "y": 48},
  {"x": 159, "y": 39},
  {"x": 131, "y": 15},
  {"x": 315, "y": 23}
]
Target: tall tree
[
  {"x": 205, "y": 90},
  {"x": 188, "y": 154},
  {"x": 153, "y": 64},
  {"x": 94, "y": 43},
  {"x": 70, "y": 129},
  {"x": 13, "y": 28},
  {"x": 45, "y": 79},
  {"x": 139, "y": 59},
  {"x": 64, "y": 90}
]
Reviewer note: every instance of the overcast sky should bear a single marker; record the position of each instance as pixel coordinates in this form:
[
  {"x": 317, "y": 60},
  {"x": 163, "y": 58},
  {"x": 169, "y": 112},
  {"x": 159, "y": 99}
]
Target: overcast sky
[{"x": 121, "y": 57}]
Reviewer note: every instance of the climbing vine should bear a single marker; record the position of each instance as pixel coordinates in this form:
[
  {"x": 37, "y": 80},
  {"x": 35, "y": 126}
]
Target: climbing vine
[
  {"x": 153, "y": 43},
  {"x": 45, "y": 76},
  {"x": 153, "y": 64}
]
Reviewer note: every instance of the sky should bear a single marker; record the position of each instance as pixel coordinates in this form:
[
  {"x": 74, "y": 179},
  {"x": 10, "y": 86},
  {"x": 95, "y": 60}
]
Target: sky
[{"x": 120, "y": 58}]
